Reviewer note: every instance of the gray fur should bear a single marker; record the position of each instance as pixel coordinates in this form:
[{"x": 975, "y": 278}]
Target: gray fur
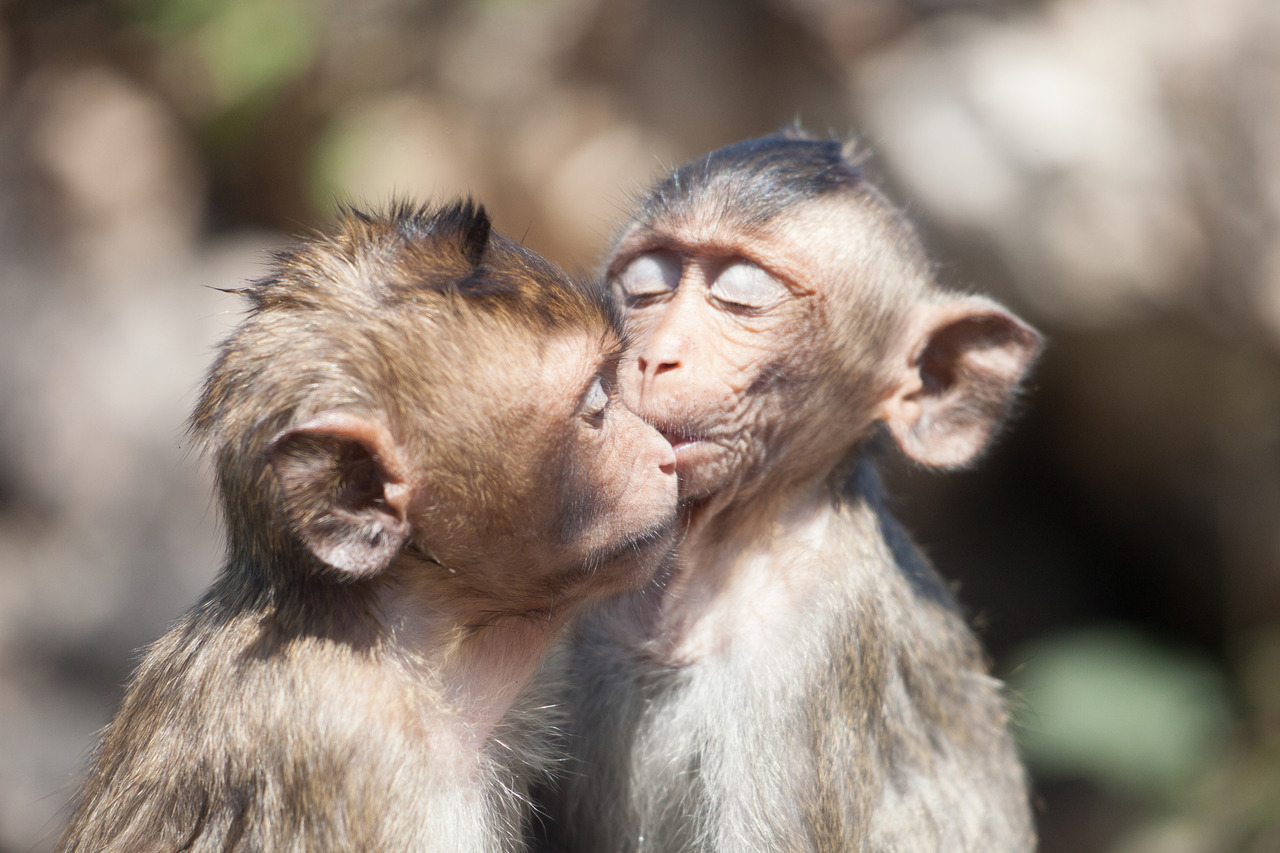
[{"x": 875, "y": 727}]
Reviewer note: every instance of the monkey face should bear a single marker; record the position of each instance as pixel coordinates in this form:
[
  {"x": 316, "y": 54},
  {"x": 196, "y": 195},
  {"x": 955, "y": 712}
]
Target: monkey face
[
  {"x": 435, "y": 402},
  {"x": 718, "y": 351},
  {"x": 766, "y": 352},
  {"x": 580, "y": 493},
  {"x": 614, "y": 480}
]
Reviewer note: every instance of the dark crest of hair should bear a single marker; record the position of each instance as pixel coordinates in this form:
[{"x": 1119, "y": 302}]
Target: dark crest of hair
[
  {"x": 407, "y": 252},
  {"x": 758, "y": 179}
]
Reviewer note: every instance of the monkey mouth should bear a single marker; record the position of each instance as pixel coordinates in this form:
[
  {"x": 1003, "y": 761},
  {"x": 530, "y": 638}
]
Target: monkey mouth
[{"x": 680, "y": 437}]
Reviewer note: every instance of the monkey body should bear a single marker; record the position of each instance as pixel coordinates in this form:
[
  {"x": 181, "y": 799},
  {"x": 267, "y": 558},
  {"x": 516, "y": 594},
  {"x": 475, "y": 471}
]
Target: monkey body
[
  {"x": 797, "y": 727},
  {"x": 232, "y": 780},
  {"x": 797, "y": 677},
  {"x": 424, "y": 473}
]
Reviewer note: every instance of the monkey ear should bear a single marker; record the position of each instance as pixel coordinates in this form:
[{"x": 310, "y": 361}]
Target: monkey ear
[
  {"x": 346, "y": 490},
  {"x": 966, "y": 360}
]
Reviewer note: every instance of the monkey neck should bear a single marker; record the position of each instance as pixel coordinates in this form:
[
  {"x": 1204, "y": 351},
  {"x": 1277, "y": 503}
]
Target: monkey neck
[
  {"x": 736, "y": 569},
  {"x": 454, "y": 671},
  {"x": 478, "y": 665}
]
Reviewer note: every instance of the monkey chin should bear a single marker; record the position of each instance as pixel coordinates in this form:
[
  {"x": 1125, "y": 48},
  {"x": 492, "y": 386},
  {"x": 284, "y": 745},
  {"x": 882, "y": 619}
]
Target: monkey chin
[{"x": 629, "y": 564}]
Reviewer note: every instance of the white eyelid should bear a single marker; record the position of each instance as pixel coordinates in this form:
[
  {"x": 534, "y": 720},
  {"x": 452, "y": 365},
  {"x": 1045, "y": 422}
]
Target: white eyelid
[
  {"x": 596, "y": 399},
  {"x": 744, "y": 283},
  {"x": 650, "y": 274}
]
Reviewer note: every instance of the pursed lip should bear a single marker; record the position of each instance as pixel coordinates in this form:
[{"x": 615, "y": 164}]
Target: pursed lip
[{"x": 680, "y": 437}]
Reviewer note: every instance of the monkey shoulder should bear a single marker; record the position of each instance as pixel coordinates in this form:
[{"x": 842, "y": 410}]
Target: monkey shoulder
[
  {"x": 906, "y": 667},
  {"x": 188, "y": 763}
]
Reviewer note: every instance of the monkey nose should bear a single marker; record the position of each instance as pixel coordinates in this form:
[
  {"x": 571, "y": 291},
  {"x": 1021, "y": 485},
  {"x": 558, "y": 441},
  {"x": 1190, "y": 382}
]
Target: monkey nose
[{"x": 658, "y": 366}]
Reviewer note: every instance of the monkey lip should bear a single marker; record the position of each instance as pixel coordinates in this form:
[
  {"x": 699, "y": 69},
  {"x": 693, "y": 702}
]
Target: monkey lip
[{"x": 681, "y": 439}]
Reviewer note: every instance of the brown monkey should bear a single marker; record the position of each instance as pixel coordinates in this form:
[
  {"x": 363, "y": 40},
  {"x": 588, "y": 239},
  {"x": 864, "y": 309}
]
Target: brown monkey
[
  {"x": 799, "y": 678},
  {"x": 423, "y": 472}
]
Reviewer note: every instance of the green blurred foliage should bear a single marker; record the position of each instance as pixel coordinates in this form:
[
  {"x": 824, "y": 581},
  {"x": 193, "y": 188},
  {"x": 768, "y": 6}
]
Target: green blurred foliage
[
  {"x": 1158, "y": 725},
  {"x": 1114, "y": 706},
  {"x": 249, "y": 48}
]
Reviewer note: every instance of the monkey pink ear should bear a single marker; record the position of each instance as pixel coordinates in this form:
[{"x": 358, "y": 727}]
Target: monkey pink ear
[
  {"x": 346, "y": 490},
  {"x": 965, "y": 362}
]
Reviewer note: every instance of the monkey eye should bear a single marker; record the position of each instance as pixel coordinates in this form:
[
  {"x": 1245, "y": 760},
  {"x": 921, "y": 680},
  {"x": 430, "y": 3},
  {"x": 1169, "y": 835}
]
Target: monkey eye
[
  {"x": 746, "y": 285},
  {"x": 650, "y": 274},
  {"x": 595, "y": 401}
]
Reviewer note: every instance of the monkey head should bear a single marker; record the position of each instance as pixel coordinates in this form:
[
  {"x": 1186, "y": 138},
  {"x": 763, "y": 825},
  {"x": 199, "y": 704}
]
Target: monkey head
[
  {"x": 781, "y": 308},
  {"x": 415, "y": 396}
]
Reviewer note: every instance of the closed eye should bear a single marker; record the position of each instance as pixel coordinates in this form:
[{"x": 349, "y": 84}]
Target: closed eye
[
  {"x": 649, "y": 275},
  {"x": 745, "y": 285}
]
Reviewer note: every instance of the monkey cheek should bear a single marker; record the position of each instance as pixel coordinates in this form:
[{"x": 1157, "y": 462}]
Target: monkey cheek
[
  {"x": 611, "y": 512},
  {"x": 643, "y": 512}
]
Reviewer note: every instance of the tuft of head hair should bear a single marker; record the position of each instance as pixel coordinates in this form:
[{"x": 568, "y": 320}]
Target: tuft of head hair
[
  {"x": 754, "y": 181},
  {"x": 412, "y": 254}
]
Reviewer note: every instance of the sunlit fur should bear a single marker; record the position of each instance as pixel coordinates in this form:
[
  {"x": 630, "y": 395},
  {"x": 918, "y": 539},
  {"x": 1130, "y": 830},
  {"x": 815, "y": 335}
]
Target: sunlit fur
[{"x": 381, "y": 703}]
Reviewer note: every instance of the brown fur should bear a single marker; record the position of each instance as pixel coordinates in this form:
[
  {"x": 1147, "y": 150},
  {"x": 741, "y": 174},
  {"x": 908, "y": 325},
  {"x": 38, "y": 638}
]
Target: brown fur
[
  {"x": 397, "y": 468},
  {"x": 798, "y": 678}
]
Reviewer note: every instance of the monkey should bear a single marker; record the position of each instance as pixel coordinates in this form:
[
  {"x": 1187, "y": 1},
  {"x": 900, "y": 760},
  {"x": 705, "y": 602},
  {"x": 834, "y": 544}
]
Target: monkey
[
  {"x": 424, "y": 471},
  {"x": 798, "y": 677}
]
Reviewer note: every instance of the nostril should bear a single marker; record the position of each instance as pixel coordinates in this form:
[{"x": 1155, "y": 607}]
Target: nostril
[
  {"x": 645, "y": 364},
  {"x": 668, "y": 467}
]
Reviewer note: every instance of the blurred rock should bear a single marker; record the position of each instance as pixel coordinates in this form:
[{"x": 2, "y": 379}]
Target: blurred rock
[
  {"x": 704, "y": 74},
  {"x": 401, "y": 145},
  {"x": 1056, "y": 137},
  {"x": 1255, "y": 81},
  {"x": 4, "y": 62},
  {"x": 502, "y": 54},
  {"x": 849, "y": 28},
  {"x": 577, "y": 159},
  {"x": 125, "y": 187}
]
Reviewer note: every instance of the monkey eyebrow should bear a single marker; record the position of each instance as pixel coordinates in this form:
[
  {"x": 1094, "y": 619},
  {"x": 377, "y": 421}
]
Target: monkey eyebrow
[
  {"x": 654, "y": 240},
  {"x": 611, "y": 358},
  {"x": 728, "y": 242}
]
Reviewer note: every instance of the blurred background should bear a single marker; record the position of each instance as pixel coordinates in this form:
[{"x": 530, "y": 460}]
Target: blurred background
[{"x": 1110, "y": 168}]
